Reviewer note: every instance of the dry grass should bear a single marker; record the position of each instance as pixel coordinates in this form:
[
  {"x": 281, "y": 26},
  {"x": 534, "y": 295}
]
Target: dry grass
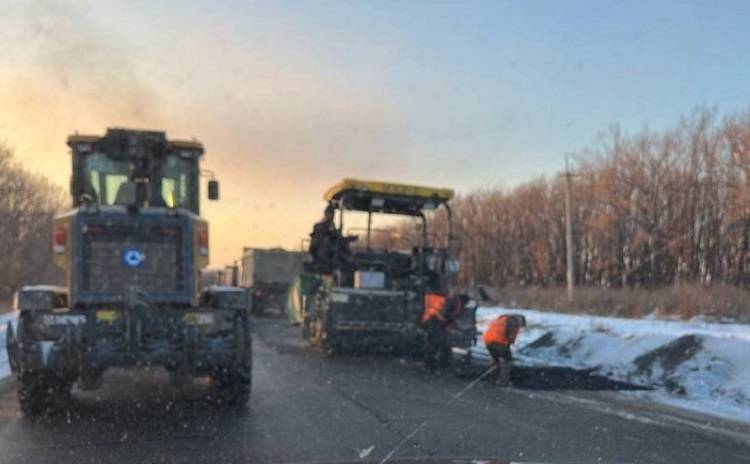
[{"x": 682, "y": 302}]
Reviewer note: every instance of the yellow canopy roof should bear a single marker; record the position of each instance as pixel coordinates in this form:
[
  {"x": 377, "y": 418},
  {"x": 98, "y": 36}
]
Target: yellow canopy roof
[
  {"x": 387, "y": 189},
  {"x": 386, "y": 197}
]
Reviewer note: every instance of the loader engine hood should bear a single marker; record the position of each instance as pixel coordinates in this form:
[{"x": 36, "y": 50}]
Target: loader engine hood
[{"x": 121, "y": 258}]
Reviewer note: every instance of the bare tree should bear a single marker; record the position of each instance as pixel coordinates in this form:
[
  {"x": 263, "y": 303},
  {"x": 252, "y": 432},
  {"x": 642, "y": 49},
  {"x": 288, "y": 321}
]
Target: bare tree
[
  {"x": 652, "y": 209},
  {"x": 28, "y": 203}
]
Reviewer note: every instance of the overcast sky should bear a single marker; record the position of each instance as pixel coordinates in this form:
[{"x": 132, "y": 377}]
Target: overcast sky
[{"x": 289, "y": 97}]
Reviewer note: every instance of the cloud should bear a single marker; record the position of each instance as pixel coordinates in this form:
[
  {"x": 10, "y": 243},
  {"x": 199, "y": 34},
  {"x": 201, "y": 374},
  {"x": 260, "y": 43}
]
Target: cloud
[
  {"x": 62, "y": 73},
  {"x": 276, "y": 135},
  {"x": 81, "y": 63}
]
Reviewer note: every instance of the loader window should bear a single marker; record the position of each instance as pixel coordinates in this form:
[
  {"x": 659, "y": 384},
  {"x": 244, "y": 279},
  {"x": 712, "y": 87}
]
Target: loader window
[
  {"x": 176, "y": 182},
  {"x": 170, "y": 192},
  {"x": 105, "y": 176}
]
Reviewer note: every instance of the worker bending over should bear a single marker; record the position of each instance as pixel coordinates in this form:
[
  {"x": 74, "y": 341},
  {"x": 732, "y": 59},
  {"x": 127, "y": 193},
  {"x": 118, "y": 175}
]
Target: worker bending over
[{"x": 498, "y": 338}]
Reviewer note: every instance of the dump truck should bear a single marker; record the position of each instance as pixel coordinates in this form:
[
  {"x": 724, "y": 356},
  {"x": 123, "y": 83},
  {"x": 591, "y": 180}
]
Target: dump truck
[
  {"x": 374, "y": 299},
  {"x": 132, "y": 248},
  {"x": 267, "y": 274}
]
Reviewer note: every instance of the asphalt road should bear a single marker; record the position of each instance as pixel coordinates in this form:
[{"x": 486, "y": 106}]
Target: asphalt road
[{"x": 306, "y": 408}]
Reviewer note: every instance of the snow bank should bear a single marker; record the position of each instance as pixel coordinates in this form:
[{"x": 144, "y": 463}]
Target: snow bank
[
  {"x": 4, "y": 366},
  {"x": 695, "y": 364}
]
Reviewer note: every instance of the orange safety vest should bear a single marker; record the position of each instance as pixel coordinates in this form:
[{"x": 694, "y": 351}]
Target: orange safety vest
[
  {"x": 434, "y": 304},
  {"x": 499, "y": 332}
]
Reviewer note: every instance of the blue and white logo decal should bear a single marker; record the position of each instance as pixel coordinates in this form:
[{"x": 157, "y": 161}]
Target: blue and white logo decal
[{"x": 132, "y": 257}]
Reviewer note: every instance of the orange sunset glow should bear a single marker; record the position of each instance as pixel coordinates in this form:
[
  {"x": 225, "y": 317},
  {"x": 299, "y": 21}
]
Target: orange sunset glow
[
  {"x": 290, "y": 98},
  {"x": 275, "y": 137}
]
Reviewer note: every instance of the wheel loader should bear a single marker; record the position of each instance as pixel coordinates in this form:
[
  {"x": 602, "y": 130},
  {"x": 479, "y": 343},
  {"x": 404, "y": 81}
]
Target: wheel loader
[{"x": 132, "y": 248}]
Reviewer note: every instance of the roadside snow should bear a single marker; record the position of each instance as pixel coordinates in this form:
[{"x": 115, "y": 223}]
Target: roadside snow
[
  {"x": 693, "y": 364},
  {"x": 4, "y": 366}
]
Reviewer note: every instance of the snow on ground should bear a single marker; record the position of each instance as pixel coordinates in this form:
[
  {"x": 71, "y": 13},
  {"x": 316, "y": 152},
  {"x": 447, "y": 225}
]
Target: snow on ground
[
  {"x": 4, "y": 366},
  {"x": 692, "y": 364}
]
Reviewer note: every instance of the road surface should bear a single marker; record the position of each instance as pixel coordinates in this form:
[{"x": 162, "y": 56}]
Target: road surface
[{"x": 306, "y": 408}]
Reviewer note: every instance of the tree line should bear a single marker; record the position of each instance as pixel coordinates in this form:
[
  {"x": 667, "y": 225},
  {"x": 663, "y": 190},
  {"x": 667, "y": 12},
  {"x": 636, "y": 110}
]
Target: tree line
[
  {"x": 651, "y": 208},
  {"x": 28, "y": 203}
]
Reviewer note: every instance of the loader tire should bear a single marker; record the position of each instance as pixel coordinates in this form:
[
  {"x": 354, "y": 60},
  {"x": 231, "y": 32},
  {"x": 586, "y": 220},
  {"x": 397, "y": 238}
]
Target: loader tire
[
  {"x": 316, "y": 333},
  {"x": 332, "y": 344},
  {"x": 38, "y": 391},
  {"x": 232, "y": 386},
  {"x": 330, "y": 347}
]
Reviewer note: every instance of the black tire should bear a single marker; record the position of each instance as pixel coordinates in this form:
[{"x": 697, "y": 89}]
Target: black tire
[
  {"x": 261, "y": 305},
  {"x": 316, "y": 333},
  {"x": 330, "y": 347},
  {"x": 91, "y": 380},
  {"x": 258, "y": 311},
  {"x": 306, "y": 328},
  {"x": 330, "y": 342},
  {"x": 232, "y": 386},
  {"x": 38, "y": 391}
]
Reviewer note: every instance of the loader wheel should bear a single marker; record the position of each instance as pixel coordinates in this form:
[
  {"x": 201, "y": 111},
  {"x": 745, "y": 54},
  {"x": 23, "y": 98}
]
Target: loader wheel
[
  {"x": 306, "y": 328},
  {"x": 316, "y": 333},
  {"x": 232, "y": 386},
  {"x": 37, "y": 391},
  {"x": 258, "y": 310},
  {"x": 330, "y": 348}
]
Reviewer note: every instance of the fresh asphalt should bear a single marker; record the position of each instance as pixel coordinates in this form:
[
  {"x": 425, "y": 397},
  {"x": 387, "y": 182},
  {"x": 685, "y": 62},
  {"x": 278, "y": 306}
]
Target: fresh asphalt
[{"x": 309, "y": 408}]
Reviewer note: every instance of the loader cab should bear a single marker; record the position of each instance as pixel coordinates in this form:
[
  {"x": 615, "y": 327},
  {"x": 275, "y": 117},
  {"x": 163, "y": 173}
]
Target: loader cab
[
  {"x": 136, "y": 169},
  {"x": 134, "y": 231}
]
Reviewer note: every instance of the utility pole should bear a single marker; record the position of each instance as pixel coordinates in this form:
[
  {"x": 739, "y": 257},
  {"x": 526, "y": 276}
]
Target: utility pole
[{"x": 571, "y": 275}]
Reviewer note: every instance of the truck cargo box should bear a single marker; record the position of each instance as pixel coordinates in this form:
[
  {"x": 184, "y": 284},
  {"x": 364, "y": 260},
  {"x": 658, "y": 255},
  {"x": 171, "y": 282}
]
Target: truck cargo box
[{"x": 270, "y": 266}]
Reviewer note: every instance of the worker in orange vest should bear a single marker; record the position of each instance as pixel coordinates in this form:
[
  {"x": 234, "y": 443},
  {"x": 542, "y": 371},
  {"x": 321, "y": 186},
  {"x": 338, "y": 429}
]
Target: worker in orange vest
[
  {"x": 435, "y": 320},
  {"x": 498, "y": 338}
]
